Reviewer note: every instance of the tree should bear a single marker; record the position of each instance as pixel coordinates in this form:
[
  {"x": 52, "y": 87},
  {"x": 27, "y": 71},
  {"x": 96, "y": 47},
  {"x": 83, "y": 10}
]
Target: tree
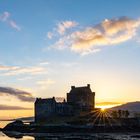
[
  {"x": 137, "y": 115},
  {"x": 120, "y": 113},
  {"x": 127, "y": 114},
  {"x": 123, "y": 113},
  {"x": 114, "y": 114}
]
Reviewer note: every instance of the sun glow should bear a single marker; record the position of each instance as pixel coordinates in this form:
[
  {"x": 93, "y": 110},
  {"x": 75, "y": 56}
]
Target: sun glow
[
  {"x": 106, "y": 106},
  {"x": 103, "y": 109}
]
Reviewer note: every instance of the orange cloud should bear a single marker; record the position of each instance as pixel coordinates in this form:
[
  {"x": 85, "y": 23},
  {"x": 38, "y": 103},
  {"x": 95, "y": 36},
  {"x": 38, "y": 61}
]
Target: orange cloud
[
  {"x": 108, "y": 103},
  {"x": 106, "y": 33}
]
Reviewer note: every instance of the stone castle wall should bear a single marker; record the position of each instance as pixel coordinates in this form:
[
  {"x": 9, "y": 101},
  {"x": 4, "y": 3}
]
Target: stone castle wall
[{"x": 78, "y": 99}]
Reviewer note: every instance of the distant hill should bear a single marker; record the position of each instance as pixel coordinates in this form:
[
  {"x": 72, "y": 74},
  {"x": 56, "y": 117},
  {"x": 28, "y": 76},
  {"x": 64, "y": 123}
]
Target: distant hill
[
  {"x": 131, "y": 106},
  {"x": 26, "y": 119}
]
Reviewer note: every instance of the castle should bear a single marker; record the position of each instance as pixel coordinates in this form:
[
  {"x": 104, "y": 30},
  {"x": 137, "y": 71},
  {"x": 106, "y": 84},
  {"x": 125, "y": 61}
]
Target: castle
[{"x": 78, "y": 99}]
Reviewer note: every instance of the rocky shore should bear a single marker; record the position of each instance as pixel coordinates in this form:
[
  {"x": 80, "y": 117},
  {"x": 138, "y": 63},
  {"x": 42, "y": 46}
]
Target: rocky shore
[{"x": 19, "y": 126}]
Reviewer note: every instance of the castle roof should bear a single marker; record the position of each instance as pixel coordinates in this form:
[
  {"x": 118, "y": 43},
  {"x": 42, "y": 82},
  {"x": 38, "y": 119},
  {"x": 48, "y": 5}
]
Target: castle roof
[
  {"x": 48, "y": 100},
  {"x": 84, "y": 89}
]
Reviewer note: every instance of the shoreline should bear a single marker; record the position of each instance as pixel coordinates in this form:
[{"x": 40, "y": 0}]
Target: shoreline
[
  {"x": 70, "y": 136},
  {"x": 71, "y": 129}
]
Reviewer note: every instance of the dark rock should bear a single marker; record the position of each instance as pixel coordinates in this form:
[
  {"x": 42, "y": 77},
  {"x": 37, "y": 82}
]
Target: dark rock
[
  {"x": 17, "y": 125},
  {"x": 13, "y": 134}
]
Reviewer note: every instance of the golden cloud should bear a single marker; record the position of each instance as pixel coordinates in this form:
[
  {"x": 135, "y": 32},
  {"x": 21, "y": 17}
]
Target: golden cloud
[
  {"x": 107, "y": 103},
  {"x": 106, "y": 33}
]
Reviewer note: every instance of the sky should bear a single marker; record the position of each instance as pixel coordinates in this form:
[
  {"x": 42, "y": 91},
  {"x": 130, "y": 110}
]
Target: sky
[{"x": 46, "y": 46}]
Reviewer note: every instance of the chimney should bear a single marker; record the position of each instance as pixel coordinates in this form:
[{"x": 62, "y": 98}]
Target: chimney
[
  {"x": 72, "y": 87},
  {"x": 88, "y": 85}
]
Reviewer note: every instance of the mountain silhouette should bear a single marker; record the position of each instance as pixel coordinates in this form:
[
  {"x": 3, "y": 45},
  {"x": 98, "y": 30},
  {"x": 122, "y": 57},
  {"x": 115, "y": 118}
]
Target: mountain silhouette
[{"x": 131, "y": 106}]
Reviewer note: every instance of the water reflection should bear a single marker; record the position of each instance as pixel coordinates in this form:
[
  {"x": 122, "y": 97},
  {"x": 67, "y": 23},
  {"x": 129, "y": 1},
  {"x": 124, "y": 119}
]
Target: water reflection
[
  {"x": 68, "y": 136},
  {"x": 50, "y": 136},
  {"x": 14, "y": 137}
]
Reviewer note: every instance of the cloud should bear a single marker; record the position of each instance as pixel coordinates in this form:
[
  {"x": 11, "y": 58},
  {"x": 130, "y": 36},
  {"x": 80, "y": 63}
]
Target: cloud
[
  {"x": 50, "y": 35},
  {"x": 14, "y": 25},
  {"x": 59, "y": 99},
  {"x": 107, "y": 103},
  {"x": 19, "y": 94},
  {"x": 61, "y": 28},
  {"x": 69, "y": 64},
  {"x": 43, "y": 84},
  {"x": 25, "y": 78},
  {"x": 4, "y": 68},
  {"x": 44, "y": 63},
  {"x": 92, "y": 39},
  {"x": 64, "y": 25},
  {"x": 16, "y": 70},
  {"x": 7, "y": 107},
  {"x": 6, "y": 17}
]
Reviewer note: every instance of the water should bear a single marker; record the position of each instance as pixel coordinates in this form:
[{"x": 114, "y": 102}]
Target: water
[
  {"x": 68, "y": 136},
  {"x": 4, "y": 137},
  {"x": 71, "y": 136},
  {"x": 4, "y": 123}
]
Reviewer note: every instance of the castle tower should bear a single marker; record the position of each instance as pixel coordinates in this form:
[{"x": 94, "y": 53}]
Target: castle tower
[
  {"x": 82, "y": 97},
  {"x": 44, "y": 108}
]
